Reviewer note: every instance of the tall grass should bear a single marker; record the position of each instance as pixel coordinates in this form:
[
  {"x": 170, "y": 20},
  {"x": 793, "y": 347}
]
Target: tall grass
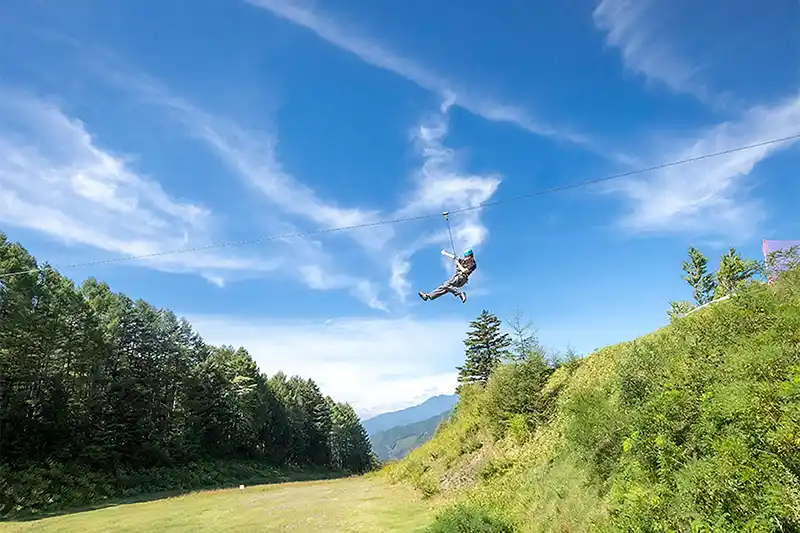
[{"x": 695, "y": 427}]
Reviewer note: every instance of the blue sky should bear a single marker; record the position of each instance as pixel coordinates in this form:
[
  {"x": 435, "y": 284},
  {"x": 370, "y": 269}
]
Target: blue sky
[{"x": 131, "y": 128}]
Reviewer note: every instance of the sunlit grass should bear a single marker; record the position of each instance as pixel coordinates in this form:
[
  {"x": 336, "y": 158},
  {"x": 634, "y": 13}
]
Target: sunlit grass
[{"x": 353, "y": 505}]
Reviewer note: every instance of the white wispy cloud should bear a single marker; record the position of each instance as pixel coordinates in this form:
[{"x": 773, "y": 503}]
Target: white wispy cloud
[
  {"x": 398, "y": 281},
  {"x": 56, "y": 180},
  {"x": 437, "y": 185},
  {"x": 652, "y": 43},
  {"x": 373, "y": 364},
  {"x": 711, "y": 195},
  {"x": 252, "y": 157},
  {"x": 315, "y": 275},
  {"x": 441, "y": 184},
  {"x": 378, "y": 55}
]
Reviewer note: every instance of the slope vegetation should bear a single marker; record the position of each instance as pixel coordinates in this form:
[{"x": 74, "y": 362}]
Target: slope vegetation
[{"x": 695, "y": 427}]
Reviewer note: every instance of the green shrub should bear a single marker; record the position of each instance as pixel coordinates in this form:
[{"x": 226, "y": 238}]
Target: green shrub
[
  {"x": 519, "y": 428},
  {"x": 470, "y": 445},
  {"x": 464, "y": 518},
  {"x": 515, "y": 389},
  {"x": 700, "y": 427},
  {"x": 426, "y": 486},
  {"x": 495, "y": 467}
]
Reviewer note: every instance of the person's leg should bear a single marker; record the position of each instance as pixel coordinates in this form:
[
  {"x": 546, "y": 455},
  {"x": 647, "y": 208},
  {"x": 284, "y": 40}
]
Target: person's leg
[
  {"x": 459, "y": 282},
  {"x": 438, "y": 291},
  {"x": 457, "y": 293},
  {"x": 448, "y": 286}
]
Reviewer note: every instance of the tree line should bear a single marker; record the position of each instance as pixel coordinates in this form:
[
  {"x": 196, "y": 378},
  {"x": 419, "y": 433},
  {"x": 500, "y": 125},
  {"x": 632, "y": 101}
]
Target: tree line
[
  {"x": 95, "y": 377},
  {"x": 733, "y": 273}
]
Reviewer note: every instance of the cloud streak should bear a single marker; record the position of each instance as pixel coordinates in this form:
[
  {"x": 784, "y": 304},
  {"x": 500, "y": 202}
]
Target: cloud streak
[
  {"x": 251, "y": 156},
  {"x": 438, "y": 185},
  {"x": 56, "y": 180},
  {"x": 377, "y": 55},
  {"x": 710, "y": 196},
  {"x": 398, "y": 281},
  {"x": 661, "y": 46},
  {"x": 634, "y": 29}
]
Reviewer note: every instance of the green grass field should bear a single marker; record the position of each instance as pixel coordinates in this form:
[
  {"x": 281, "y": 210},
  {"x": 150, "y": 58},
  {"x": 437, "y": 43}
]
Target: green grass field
[{"x": 357, "y": 504}]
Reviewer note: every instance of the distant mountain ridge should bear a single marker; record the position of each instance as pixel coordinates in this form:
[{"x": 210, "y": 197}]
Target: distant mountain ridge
[
  {"x": 428, "y": 409},
  {"x": 395, "y": 443}
]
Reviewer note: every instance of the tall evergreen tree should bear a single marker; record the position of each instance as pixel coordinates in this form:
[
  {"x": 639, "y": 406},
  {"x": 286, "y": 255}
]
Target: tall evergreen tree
[
  {"x": 733, "y": 272},
  {"x": 350, "y": 448},
  {"x": 486, "y": 347},
  {"x": 697, "y": 275}
]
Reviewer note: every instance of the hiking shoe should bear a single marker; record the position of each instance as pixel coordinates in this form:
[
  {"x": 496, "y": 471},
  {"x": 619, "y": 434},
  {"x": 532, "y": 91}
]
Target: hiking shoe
[
  {"x": 423, "y": 295},
  {"x": 463, "y": 297}
]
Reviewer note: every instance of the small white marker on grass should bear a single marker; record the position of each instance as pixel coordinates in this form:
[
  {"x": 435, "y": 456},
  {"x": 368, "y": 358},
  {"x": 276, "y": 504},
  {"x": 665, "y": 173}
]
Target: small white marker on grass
[{"x": 241, "y": 487}]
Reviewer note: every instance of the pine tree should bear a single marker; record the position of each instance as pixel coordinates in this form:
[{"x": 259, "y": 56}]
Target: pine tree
[
  {"x": 733, "y": 272},
  {"x": 486, "y": 348},
  {"x": 350, "y": 448},
  {"x": 702, "y": 282}
]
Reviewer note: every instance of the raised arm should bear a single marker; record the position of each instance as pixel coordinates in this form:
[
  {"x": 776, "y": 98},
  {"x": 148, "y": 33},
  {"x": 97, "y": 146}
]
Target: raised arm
[{"x": 448, "y": 254}]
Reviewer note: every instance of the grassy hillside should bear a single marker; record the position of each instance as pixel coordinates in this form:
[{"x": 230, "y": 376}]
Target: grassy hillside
[
  {"x": 397, "y": 442},
  {"x": 695, "y": 427}
]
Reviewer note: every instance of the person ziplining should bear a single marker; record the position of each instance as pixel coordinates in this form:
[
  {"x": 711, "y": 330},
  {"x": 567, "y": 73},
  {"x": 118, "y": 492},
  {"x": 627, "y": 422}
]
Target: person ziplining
[{"x": 465, "y": 266}]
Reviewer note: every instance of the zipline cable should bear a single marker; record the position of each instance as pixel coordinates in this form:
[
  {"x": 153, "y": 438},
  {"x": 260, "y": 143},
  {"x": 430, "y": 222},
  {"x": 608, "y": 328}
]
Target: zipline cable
[
  {"x": 447, "y": 220},
  {"x": 419, "y": 217},
  {"x": 629, "y": 173},
  {"x": 449, "y": 232}
]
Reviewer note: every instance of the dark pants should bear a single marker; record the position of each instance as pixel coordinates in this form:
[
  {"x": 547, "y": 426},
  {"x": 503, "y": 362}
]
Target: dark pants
[{"x": 451, "y": 286}]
